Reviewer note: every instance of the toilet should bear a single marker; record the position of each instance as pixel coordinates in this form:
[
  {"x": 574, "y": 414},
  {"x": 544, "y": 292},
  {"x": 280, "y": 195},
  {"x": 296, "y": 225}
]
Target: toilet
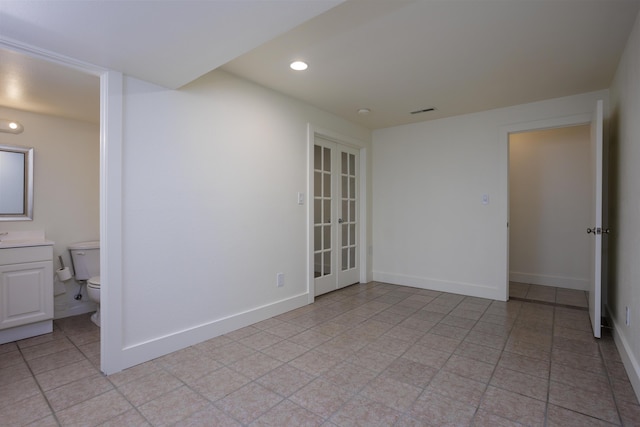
[{"x": 85, "y": 257}]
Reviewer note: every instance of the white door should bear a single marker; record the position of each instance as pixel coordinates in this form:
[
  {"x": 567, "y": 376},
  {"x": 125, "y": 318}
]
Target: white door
[
  {"x": 335, "y": 216},
  {"x": 595, "y": 228}
]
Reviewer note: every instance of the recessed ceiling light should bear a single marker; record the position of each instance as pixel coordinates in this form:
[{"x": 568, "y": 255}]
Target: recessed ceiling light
[
  {"x": 299, "y": 65},
  {"x": 10, "y": 126}
]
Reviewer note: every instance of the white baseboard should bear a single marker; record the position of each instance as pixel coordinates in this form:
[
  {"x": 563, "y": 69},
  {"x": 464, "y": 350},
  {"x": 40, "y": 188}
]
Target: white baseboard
[
  {"x": 629, "y": 360},
  {"x": 468, "y": 289},
  {"x": 157, "y": 347},
  {"x": 541, "y": 279}
]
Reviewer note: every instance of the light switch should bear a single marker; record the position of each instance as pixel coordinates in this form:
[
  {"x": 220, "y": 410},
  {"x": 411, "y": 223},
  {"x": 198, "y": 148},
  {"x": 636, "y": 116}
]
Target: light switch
[
  {"x": 485, "y": 199},
  {"x": 301, "y": 198}
]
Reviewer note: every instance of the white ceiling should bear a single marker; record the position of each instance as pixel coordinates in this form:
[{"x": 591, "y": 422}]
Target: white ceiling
[{"x": 391, "y": 56}]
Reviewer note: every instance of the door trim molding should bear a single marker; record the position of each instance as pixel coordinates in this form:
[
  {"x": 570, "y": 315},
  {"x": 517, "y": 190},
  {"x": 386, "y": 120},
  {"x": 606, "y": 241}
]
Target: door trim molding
[{"x": 312, "y": 132}]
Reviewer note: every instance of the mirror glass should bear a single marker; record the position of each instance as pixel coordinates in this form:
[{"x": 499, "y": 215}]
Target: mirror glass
[{"x": 16, "y": 183}]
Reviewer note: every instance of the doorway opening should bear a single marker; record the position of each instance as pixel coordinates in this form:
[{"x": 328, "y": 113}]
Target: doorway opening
[{"x": 550, "y": 188}]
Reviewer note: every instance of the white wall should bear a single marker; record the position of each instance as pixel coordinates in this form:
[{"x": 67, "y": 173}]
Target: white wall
[
  {"x": 624, "y": 240},
  {"x": 549, "y": 207},
  {"x": 430, "y": 228},
  {"x": 66, "y": 189},
  {"x": 210, "y": 215}
]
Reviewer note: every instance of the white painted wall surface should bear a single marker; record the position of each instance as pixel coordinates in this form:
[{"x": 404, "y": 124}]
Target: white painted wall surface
[
  {"x": 549, "y": 206},
  {"x": 211, "y": 174},
  {"x": 430, "y": 228},
  {"x": 624, "y": 240},
  {"x": 66, "y": 189}
]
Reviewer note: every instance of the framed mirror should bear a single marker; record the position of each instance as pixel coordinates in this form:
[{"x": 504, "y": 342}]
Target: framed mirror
[{"x": 16, "y": 183}]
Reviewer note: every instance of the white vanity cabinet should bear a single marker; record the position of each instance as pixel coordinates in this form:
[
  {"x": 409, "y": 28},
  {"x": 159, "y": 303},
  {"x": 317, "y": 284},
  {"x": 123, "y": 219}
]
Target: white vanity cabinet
[{"x": 26, "y": 292}]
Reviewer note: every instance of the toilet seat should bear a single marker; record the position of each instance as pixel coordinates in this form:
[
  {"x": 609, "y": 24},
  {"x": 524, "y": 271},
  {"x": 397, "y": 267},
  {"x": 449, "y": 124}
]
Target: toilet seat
[{"x": 94, "y": 282}]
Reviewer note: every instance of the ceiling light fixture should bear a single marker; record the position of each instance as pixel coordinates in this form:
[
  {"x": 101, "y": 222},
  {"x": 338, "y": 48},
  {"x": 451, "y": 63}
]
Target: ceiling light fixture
[
  {"x": 299, "y": 65},
  {"x": 364, "y": 111},
  {"x": 10, "y": 126}
]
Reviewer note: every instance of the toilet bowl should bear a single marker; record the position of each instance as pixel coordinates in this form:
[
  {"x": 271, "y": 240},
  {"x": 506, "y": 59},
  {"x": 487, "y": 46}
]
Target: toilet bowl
[
  {"x": 85, "y": 257},
  {"x": 93, "y": 290}
]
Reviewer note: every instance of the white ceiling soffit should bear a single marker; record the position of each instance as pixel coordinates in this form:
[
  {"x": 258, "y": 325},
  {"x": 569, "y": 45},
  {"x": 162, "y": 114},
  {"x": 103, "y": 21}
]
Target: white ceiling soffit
[
  {"x": 170, "y": 42},
  {"x": 395, "y": 57}
]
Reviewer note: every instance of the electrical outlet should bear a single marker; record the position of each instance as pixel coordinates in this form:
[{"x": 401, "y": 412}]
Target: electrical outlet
[
  {"x": 280, "y": 280},
  {"x": 627, "y": 316}
]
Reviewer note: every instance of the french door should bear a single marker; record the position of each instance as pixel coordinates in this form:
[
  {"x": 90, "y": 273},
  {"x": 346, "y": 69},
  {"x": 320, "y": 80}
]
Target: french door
[{"x": 335, "y": 216}]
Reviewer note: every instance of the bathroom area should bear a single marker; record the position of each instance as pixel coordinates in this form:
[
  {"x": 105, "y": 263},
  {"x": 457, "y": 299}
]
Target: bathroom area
[{"x": 59, "y": 235}]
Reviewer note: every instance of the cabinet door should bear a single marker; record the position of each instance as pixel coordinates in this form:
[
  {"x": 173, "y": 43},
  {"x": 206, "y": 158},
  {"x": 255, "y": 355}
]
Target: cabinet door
[{"x": 26, "y": 293}]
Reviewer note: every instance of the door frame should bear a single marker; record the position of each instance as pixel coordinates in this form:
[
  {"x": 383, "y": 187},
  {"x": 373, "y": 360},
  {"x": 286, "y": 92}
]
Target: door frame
[
  {"x": 312, "y": 132},
  {"x": 111, "y": 124},
  {"x": 504, "y": 132}
]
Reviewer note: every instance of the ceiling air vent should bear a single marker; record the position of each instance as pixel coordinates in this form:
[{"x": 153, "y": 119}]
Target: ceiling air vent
[{"x": 425, "y": 110}]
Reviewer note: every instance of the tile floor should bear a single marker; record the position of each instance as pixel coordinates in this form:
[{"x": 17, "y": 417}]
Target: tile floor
[
  {"x": 367, "y": 355},
  {"x": 548, "y": 294}
]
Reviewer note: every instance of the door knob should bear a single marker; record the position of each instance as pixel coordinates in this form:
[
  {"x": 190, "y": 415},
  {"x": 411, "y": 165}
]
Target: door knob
[{"x": 340, "y": 221}]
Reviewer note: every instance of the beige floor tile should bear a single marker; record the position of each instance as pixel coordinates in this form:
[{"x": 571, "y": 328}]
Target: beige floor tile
[
  {"x": 17, "y": 391},
  {"x": 434, "y": 409},
  {"x": 77, "y": 391},
  {"x": 521, "y": 383},
  {"x": 513, "y": 406},
  {"x": 596, "y": 383},
  {"x": 150, "y": 387},
  {"x": 249, "y": 402},
  {"x": 46, "y": 348},
  {"x": 285, "y": 350},
  {"x": 478, "y": 352},
  {"x": 60, "y": 376},
  {"x": 10, "y": 358},
  {"x": 459, "y": 388},
  {"x": 389, "y": 392},
  {"x": 310, "y": 338},
  {"x": 94, "y": 411},
  {"x": 211, "y": 416},
  {"x": 596, "y": 405},
  {"x": 469, "y": 368},
  {"x": 349, "y": 376},
  {"x": 363, "y": 412},
  {"x": 219, "y": 384},
  {"x": 131, "y": 418},
  {"x": 48, "y": 421},
  {"x": 561, "y": 417},
  {"x": 255, "y": 365},
  {"x": 527, "y": 365},
  {"x": 173, "y": 406},
  {"x": 30, "y": 410},
  {"x": 193, "y": 369},
  {"x": 439, "y": 342},
  {"x": 55, "y": 360},
  {"x": 134, "y": 373},
  {"x": 285, "y": 380},
  {"x": 321, "y": 397},
  {"x": 314, "y": 362},
  {"x": 410, "y": 372},
  {"x": 487, "y": 419},
  {"x": 15, "y": 373},
  {"x": 288, "y": 413},
  {"x": 230, "y": 353},
  {"x": 421, "y": 354},
  {"x": 260, "y": 340}
]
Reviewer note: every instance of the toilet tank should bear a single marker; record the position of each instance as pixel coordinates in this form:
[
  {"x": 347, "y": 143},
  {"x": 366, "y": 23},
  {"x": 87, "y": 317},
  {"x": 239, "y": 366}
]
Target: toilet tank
[{"x": 85, "y": 257}]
